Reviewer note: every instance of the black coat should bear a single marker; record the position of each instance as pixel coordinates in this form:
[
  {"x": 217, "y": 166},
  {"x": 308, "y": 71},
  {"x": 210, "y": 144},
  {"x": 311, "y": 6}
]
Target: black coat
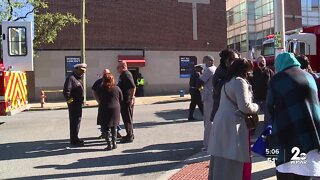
[
  {"x": 109, "y": 106},
  {"x": 260, "y": 81},
  {"x": 73, "y": 88}
]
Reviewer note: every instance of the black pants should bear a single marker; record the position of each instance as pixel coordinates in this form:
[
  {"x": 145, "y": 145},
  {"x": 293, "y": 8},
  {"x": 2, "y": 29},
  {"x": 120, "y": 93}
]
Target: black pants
[
  {"x": 127, "y": 115},
  {"x": 75, "y": 114},
  {"x": 195, "y": 100},
  {"x": 140, "y": 91},
  {"x": 290, "y": 176}
]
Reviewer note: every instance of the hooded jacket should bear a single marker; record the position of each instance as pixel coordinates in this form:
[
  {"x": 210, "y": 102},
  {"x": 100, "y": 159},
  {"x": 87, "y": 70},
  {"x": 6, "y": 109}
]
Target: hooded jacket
[{"x": 292, "y": 101}]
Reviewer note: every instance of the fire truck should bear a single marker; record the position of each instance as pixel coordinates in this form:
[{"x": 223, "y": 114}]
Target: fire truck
[
  {"x": 16, "y": 57},
  {"x": 305, "y": 41}
]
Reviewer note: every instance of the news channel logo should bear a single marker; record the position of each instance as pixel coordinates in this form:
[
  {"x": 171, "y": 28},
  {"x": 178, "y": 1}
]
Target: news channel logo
[{"x": 297, "y": 158}]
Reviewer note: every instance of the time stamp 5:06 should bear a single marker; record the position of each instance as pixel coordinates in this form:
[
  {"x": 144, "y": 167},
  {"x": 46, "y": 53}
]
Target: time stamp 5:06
[{"x": 297, "y": 158}]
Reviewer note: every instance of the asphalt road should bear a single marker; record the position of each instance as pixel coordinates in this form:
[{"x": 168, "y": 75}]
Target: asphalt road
[{"x": 35, "y": 145}]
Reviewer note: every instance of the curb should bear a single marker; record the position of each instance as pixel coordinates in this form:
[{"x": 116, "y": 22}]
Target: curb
[
  {"x": 94, "y": 106},
  {"x": 55, "y": 108}
]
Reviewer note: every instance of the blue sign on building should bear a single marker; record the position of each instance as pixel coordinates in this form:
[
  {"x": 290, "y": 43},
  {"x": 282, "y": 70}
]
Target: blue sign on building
[
  {"x": 187, "y": 64},
  {"x": 70, "y": 61}
]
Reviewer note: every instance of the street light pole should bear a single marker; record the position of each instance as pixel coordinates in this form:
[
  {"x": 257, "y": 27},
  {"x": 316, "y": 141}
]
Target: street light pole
[
  {"x": 83, "y": 46},
  {"x": 279, "y": 27}
]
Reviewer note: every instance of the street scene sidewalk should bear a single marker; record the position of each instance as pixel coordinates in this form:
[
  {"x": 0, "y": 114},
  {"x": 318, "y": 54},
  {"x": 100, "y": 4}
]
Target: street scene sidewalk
[
  {"x": 37, "y": 143},
  {"x": 197, "y": 168}
]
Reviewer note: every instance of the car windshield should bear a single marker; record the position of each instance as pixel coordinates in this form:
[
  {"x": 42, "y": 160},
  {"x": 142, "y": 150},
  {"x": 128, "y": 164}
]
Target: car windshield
[{"x": 268, "y": 49}]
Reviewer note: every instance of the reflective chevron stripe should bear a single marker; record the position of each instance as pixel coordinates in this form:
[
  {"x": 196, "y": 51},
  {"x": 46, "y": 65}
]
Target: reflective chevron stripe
[{"x": 15, "y": 89}]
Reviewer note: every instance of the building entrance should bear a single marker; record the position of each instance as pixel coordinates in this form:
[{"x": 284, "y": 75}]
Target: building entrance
[{"x": 135, "y": 72}]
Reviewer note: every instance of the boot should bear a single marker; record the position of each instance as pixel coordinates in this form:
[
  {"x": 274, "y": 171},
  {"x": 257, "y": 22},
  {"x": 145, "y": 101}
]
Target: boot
[
  {"x": 114, "y": 144},
  {"x": 114, "y": 134},
  {"x": 108, "y": 148}
]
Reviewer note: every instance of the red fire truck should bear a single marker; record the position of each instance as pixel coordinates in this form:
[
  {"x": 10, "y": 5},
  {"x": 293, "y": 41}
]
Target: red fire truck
[
  {"x": 305, "y": 41},
  {"x": 16, "y": 57}
]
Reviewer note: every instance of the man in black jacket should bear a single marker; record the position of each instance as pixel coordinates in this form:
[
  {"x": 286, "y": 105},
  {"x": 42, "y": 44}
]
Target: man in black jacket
[
  {"x": 260, "y": 81},
  {"x": 73, "y": 93},
  {"x": 195, "y": 92}
]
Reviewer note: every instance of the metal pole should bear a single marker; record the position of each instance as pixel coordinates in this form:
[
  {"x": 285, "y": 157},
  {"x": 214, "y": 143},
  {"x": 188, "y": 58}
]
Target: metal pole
[
  {"x": 83, "y": 46},
  {"x": 279, "y": 26}
]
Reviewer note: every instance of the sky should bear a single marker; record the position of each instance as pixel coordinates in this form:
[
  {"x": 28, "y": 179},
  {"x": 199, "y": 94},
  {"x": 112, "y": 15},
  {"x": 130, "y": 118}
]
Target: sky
[{"x": 18, "y": 12}]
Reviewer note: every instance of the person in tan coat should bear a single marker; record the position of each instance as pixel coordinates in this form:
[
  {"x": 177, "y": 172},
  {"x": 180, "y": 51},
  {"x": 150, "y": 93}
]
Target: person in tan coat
[{"x": 229, "y": 138}]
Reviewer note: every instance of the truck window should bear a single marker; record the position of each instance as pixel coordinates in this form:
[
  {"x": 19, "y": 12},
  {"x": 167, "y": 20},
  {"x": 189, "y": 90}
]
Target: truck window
[
  {"x": 302, "y": 48},
  {"x": 291, "y": 47},
  {"x": 297, "y": 47},
  {"x": 268, "y": 49},
  {"x": 17, "y": 41}
]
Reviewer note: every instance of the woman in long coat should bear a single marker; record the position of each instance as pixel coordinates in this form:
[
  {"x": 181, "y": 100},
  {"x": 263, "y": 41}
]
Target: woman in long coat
[
  {"x": 229, "y": 144},
  {"x": 110, "y": 97}
]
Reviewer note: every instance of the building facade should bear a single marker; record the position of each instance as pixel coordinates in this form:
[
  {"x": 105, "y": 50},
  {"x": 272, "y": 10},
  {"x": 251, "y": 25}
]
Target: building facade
[
  {"x": 156, "y": 37},
  {"x": 249, "y": 22}
]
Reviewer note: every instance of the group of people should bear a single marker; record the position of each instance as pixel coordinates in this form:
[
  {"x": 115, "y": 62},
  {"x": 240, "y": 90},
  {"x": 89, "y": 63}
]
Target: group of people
[
  {"x": 113, "y": 99},
  {"x": 288, "y": 98}
]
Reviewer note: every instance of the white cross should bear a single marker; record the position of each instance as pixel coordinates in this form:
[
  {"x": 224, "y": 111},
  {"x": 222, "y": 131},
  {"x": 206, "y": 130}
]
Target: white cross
[{"x": 194, "y": 14}]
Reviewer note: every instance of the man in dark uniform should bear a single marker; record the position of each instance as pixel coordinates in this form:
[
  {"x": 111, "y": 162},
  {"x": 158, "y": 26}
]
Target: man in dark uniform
[
  {"x": 128, "y": 88},
  {"x": 73, "y": 93},
  {"x": 194, "y": 92},
  {"x": 140, "y": 85}
]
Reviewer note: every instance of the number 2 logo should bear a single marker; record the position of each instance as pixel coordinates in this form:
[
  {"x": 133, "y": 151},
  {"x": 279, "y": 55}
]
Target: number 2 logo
[{"x": 296, "y": 154}]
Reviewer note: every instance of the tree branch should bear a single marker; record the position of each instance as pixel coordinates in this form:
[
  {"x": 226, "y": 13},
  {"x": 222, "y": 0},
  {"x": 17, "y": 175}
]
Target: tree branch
[
  {"x": 10, "y": 10},
  {"x": 23, "y": 17}
]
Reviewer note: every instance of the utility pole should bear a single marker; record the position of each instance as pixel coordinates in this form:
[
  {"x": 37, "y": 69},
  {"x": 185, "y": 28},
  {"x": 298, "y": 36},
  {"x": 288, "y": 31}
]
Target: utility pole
[
  {"x": 279, "y": 27},
  {"x": 83, "y": 46}
]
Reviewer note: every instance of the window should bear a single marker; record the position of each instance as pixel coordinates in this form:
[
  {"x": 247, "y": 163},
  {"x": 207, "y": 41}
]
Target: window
[
  {"x": 243, "y": 46},
  {"x": 251, "y": 11},
  {"x": 258, "y": 3},
  {"x": 314, "y": 4},
  {"x": 258, "y": 12},
  {"x": 17, "y": 41},
  {"x": 259, "y": 35},
  {"x": 268, "y": 49},
  {"x": 297, "y": 47}
]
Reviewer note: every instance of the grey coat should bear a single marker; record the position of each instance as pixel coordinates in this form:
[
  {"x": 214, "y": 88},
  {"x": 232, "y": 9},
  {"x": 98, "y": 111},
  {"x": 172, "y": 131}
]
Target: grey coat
[{"x": 229, "y": 136}]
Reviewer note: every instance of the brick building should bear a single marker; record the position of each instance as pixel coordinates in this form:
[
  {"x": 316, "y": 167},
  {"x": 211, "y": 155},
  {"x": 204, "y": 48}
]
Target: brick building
[{"x": 158, "y": 33}]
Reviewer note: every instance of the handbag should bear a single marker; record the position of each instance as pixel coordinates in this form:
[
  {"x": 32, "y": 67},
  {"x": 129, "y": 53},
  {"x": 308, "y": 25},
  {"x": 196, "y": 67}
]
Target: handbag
[
  {"x": 250, "y": 119},
  {"x": 262, "y": 144}
]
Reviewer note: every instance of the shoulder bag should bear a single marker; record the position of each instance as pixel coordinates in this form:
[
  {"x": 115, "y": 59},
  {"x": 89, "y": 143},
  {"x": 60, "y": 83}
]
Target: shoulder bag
[{"x": 250, "y": 119}]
